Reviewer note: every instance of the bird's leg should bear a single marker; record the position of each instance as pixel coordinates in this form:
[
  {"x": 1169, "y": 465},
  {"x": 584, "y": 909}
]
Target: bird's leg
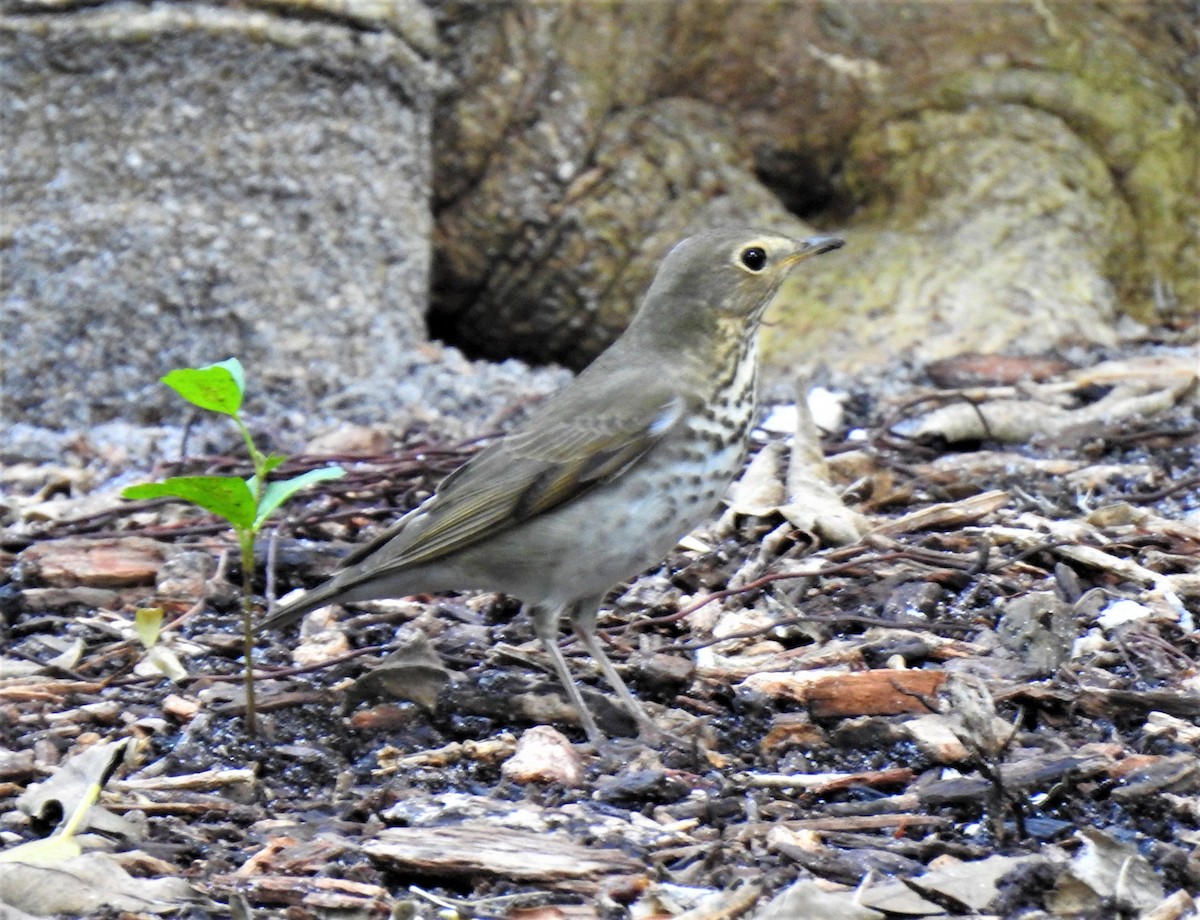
[
  {"x": 583, "y": 619},
  {"x": 545, "y": 624}
]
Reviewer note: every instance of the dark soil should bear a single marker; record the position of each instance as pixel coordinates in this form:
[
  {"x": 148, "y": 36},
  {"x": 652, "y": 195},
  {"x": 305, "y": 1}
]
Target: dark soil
[{"x": 1103, "y": 713}]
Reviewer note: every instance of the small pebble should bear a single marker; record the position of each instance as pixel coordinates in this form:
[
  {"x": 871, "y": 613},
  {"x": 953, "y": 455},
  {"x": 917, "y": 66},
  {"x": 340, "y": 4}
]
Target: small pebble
[
  {"x": 349, "y": 440},
  {"x": 544, "y": 755},
  {"x": 320, "y": 647}
]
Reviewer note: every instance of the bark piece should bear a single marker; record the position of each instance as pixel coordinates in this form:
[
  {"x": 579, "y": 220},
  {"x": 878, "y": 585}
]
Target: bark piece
[
  {"x": 838, "y": 694},
  {"x": 107, "y": 563},
  {"x": 323, "y": 895},
  {"x": 487, "y": 849}
]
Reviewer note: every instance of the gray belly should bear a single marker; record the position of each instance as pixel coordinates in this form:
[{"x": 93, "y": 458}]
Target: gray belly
[{"x": 586, "y": 546}]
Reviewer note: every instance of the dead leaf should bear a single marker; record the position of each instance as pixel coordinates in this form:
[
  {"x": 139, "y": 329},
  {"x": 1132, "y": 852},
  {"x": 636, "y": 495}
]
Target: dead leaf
[
  {"x": 948, "y": 514},
  {"x": 973, "y": 715},
  {"x": 806, "y": 900},
  {"x": 161, "y": 659},
  {"x": 84, "y": 884},
  {"x": 813, "y": 505},
  {"x": 804, "y": 496},
  {"x": 759, "y": 491},
  {"x": 544, "y": 755},
  {"x": 1039, "y": 629},
  {"x": 1106, "y": 871},
  {"x": 413, "y": 672},
  {"x": 69, "y": 657},
  {"x": 1020, "y": 420},
  {"x": 61, "y": 794},
  {"x": 974, "y": 884}
]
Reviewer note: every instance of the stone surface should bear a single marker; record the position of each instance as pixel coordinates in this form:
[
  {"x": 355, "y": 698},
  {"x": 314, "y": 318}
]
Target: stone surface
[
  {"x": 1019, "y": 178},
  {"x": 563, "y": 173},
  {"x": 184, "y": 183},
  {"x": 950, "y": 257},
  {"x": 189, "y": 182}
]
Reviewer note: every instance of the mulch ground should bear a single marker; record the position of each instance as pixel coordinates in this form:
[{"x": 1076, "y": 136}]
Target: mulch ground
[{"x": 976, "y": 695}]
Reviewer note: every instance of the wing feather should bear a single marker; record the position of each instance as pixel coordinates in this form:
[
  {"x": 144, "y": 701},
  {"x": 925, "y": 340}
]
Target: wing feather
[{"x": 531, "y": 471}]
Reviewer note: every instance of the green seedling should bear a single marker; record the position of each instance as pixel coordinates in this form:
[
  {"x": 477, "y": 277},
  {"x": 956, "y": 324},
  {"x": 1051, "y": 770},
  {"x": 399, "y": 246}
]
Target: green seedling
[
  {"x": 147, "y": 623},
  {"x": 244, "y": 503}
]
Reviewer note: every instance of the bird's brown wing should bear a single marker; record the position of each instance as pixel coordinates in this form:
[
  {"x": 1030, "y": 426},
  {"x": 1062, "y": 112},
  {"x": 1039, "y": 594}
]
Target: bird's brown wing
[{"x": 531, "y": 471}]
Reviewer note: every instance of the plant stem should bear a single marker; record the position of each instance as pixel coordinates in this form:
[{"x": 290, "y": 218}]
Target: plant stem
[
  {"x": 246, "y": 542},
  {"x": 256, "y": 456}
]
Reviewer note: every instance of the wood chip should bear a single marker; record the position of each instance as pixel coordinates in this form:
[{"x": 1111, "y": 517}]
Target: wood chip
[
  {"x": 180, "y": 708},
  {"x": 107, "y": 563},
  {"x": 830, "y": 694},
  {"x": 792, "y": 729},
  {"x": 476, "y": 848},
  {"x": 59, "y": 599},
  {"x": 326, "y": 894},
  {"x": 1034, "y": 772},
  {"x": 822, "y": 657},
  {"x": 948, "y": 514},
  {"x": 819, "y": 783},
  {"x": 290, "y": 856},
  {"x": 204, "y": 781},
  {"x": 489, "y": 750},
  {"x": 934, "y": 734},
  {"x": 17, "y": 765},
  {"x": 1103, "y": 703},
  {"x": 728, "y": 905},
  {"x": 868, "y": 822},
  {"x": 1176, "y": 907}
]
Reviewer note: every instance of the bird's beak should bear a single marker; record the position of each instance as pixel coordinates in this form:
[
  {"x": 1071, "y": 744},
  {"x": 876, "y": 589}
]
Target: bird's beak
[{"x": 814, "y": 246}]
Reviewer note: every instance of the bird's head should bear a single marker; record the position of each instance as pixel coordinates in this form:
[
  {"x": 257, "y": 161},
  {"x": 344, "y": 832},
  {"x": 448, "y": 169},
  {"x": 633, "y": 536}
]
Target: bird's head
[{"x": 724, "y": 276}]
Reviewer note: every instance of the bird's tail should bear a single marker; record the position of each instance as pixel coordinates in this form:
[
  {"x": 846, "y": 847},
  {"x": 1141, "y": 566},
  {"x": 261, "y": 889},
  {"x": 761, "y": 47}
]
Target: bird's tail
[
  {"x": 353, "y": 583},
  {"x": 293, "y": 610}
]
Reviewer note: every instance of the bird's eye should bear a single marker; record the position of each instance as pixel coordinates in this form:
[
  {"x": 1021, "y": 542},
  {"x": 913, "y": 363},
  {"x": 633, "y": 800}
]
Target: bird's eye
[{"x": 754, "y": 258}]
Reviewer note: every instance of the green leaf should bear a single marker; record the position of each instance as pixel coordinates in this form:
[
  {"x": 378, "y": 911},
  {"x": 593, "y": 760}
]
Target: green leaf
[
  {"x": 147, "y": 622},
  {"x": 217, "y": 387},
  {"x": 277, "y": 493},
  {"x": 226, "y": 496},
  {"x": 270, "y": 461}
]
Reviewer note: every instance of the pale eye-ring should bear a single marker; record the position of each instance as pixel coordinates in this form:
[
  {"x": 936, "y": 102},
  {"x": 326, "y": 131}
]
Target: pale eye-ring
[{"x": 754, "y": 258}]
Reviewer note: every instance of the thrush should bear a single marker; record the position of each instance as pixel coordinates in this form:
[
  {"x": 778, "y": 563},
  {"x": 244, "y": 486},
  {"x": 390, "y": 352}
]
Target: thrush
[{"x": 607, "y": 475}]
